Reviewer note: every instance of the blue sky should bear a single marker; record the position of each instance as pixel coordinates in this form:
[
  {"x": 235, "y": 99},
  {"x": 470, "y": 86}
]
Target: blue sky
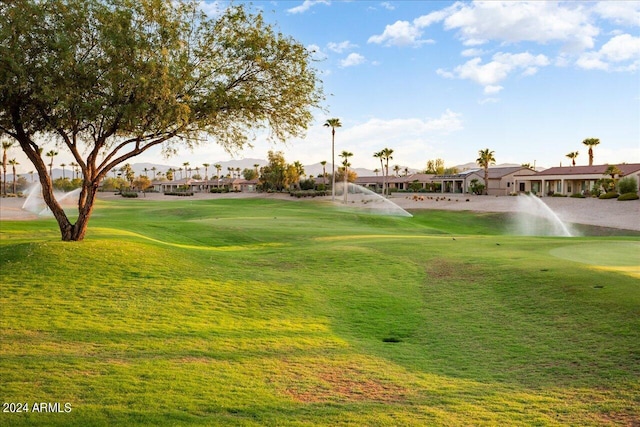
[
  {"x": 433, "y": 79},
  {"x": 436, "y": 79}
]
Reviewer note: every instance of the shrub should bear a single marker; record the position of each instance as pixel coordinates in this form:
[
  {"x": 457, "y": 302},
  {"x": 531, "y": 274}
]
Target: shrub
[
  {"x": 629, "y": 196},
  {"x": 628, "y": 184},
  {"x": 178, "y": 193},
  {"x": 577, "y": 196},
  {"x": 558, "y": 195},
  {"x": 609, "y": 195},
  {"x": 129, "y": 194}
]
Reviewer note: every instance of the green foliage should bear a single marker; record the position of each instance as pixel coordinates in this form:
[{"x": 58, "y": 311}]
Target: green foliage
[
  {"x": 629, "y": 196},
  {"x": 558, "y": 195},
  {"x": 609, "y": 195},
  {"x": 121, "y": 77},
  {"x": 179, "y": 193},
  {"x": 577, "y": 196},
  {"x": 628, "y": 184},
  {"x": 129, "y": 194},
  {"x": 475, "y": 187},
  {"x": 308, "y": 193}
]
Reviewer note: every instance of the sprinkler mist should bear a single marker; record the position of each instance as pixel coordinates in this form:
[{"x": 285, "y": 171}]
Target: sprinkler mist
[
  {"x": 535, "y": 218},
  {"x": 363, "y": 199},
  {"x": 35, "y": 203}
]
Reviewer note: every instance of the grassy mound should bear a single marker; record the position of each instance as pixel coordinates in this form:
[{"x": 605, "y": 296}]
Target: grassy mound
[{"x": 263, "y": 312}]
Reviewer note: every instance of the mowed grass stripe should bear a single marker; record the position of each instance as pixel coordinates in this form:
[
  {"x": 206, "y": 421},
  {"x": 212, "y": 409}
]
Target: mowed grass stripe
[{"x": 331, "y": 318}]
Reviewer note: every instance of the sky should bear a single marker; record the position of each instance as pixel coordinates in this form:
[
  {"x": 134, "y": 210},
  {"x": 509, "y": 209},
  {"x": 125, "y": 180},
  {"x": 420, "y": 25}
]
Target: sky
[{"x": 440, "y": 79}]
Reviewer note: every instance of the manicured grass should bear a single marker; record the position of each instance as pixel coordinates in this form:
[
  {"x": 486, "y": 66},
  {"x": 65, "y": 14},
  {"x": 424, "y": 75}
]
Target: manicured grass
[{"x": 266, "y": 312}]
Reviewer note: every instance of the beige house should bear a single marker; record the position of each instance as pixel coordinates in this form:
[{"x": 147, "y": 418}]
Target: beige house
[
  {"x": 501, "y": 180},
  {"x": 570, "y": 180}
]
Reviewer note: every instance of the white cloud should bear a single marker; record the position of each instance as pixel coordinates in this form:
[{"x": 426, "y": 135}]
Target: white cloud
[
  {"x": 341, "y": 47},
  {"x": 512, "y": 22},
  {"x": 316, "y": 52},
  {"x": 620, "y": 53},
  {"x": 387, "y": 5},
  {"x": 472, "y": 52},
  {"x": 490, "y": 89},
  {"x": 620, "y": 12},
  {"x": 498, "y": 69},
  {"x": 386, "y": 130},
  {"x": 352, "y": 59},
  {"x": 306, "y": 5},
  {"x": 400, "y": 33}
]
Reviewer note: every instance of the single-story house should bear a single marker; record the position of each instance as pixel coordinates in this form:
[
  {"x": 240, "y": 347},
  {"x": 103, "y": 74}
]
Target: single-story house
[{"x": 570, "y": 180}]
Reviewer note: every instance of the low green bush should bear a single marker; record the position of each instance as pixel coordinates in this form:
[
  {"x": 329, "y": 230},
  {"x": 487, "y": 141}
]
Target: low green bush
[
  {"x": 307, "y": 193},
  {"x": 629, "y": 196},
  {"x": 609, "y": 195},
  {"x": 129, "y": 194},
  {"x": 179, "y": 193},
  {"x": 627, "y": 185},
  {"x": 577, "y": 196},
  {"x": 558, "y": 195}
]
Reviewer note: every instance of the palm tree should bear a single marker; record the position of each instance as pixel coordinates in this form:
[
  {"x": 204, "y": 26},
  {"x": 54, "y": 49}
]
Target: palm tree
[
  {"x": 5, "y": 147},
  {"x": 591, "y": 142},
  {"x": 185, "y": 164},
  {"x": 345, "y": 155},
  {"x": 154, "y": 169},
  {"x": 396, "y": 169},
  {"x": 324, "y": 171},
  {"x": 406, "y": 171},
  {"x": 572, "y": 155},
  {"x": 52, "y": 154},
  {"x": 333, "y": 124},
  {"x": 378, "y": 155},
  {"x": 486, "y": 158},
  {"x": 31, "y": 173},
  {"x": 376, "y": 171},
  {"x": 63, "y": 165},
  {"x": 299, "y": 172},
  {"x": 387, "y": 155},
  {"x": 218, "y": 169},
  {"x": 146, "y": 171},
  {"x": 74, "y": 168},
  {"x": 13, "y": 164}
]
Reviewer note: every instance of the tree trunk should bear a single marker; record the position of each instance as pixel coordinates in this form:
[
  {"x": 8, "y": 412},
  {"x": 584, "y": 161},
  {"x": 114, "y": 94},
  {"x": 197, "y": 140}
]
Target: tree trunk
[{"x": 69, "y": 232}]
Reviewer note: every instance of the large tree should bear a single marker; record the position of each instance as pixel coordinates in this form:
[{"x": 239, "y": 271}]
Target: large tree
[
  {"x": 110, "y": 79},
  {"x": 485, "y": 159}
]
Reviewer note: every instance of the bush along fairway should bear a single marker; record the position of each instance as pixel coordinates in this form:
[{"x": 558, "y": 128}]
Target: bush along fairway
[{"x": 266, "y": 312}]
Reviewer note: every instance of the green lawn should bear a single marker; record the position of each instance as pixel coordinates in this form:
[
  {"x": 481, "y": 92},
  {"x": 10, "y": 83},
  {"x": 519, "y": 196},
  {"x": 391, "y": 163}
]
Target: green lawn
[{"x": 266, "y": 312}]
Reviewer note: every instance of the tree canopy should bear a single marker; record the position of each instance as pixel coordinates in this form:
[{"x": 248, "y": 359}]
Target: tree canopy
[{"x": 110, "y": 79}]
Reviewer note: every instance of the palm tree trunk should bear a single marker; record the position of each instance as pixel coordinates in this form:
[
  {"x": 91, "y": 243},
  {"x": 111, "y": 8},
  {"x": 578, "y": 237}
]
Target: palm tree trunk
[{"x": 333, "y": 165}]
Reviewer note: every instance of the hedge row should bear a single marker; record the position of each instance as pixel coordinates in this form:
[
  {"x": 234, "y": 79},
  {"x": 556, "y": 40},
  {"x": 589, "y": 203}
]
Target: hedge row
[{"x": 178, "y": 193}]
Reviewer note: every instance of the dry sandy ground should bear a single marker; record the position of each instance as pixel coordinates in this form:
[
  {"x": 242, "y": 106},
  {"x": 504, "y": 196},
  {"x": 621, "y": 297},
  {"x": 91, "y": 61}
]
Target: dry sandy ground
[{"x": 604, "y": 213}]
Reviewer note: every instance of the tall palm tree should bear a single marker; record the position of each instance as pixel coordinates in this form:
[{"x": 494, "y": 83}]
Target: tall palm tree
[
  {"x": 5, "y": 146},
  {"x": 333, "y": 124},
  {"x": 324, "y": 171},
  {"x": 345, "y": 155},
  {"x": 396, "y": 169},
  {"x": 154, "y": 169},
  {"x": 378, "y": 155},
  {"x": 52, "y": 154},
  {"x": 572, "y": 155},
  {"x": 486, "y": 158},
  {"x": 591, "y": 142},
  {"x": 13, "y": 164},
  {"x": 146, "y": 171},
  {"x": 74, "y": 168},
  {"x": 63, "y": 165},
  {"x": 218, "y": 167},
  {"x": 386, "y": 156},
  {"x": 376, "y": 171},
  {"x": 185, "y": 164},
  {"x": 256, "y": 166}
]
